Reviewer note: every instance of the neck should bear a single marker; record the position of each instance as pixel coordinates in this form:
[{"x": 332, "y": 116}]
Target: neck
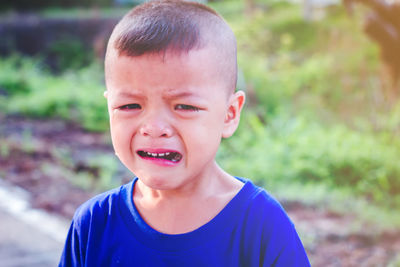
[
  {"x": 194, "y": 187},
  {"x": 188, "y": 207}
]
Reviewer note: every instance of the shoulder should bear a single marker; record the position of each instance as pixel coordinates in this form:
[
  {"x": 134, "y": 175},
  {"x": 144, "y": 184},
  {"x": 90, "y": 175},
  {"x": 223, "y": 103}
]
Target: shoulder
[
  {"x": 269, "y": 216},
  {"x": 261, "y": 205},
  {"x": 99, "y": 207},
  {"x": 258, "y": 212},
  {"x": 269, "y": 230},
  {"x": 88, "y": 224}
]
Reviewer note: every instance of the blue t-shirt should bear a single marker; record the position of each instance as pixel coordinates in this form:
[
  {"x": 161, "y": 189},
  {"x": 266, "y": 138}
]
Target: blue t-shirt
[{"x": 251, "y": 230}]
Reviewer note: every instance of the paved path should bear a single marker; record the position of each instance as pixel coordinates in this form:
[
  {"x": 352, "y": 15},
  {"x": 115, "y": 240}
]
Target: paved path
[{"x": 28, "y": 237}]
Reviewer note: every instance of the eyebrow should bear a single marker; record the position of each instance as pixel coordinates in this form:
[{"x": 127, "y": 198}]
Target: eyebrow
[
  {"x": 180, "y": 94},
  {"x": 172, "y": 94},
  {"x": 129, "y": 94}
]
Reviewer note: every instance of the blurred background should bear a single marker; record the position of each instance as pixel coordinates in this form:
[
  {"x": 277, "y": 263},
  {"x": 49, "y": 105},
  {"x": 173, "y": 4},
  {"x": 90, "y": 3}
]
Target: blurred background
[{"x": 320, "y": 130}]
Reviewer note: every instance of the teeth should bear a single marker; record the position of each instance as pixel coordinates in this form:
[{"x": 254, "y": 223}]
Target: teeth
[
  {"x": 149, "y": 154},
  {"x": 172, "y": 156}
]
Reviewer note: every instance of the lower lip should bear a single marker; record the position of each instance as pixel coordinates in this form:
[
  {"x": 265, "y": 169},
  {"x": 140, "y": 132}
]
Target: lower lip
[{"x": 161, "y": 162}]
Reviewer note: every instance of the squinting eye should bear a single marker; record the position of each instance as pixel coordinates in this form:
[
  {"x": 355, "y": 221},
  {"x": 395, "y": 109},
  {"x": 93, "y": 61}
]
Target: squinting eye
[
  {"x": 130, "y": 106},
  {"x": 186, "y": 107}
]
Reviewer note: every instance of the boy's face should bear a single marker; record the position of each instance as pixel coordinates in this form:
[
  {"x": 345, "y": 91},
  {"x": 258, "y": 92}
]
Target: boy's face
[{"x": 168, "y": 115}]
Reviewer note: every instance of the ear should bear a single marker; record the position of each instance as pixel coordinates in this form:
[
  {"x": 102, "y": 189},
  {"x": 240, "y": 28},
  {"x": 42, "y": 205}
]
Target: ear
[
  {"x": 232, "y": 118},
  {"x": 105, "y": 94}
]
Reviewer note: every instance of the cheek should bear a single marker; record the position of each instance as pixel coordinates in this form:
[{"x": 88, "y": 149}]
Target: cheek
[
  {"x": 205, "y": 136},
  {"x": 121, "y": 134}
]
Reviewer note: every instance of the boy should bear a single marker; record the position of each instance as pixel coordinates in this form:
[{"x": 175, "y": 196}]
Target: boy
[{"x": 171, "y": 77}]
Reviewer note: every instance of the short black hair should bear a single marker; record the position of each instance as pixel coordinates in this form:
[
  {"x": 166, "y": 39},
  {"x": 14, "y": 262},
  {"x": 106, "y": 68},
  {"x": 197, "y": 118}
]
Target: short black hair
[
  {"x": 175, "y": 26},
  {"x": 158, "y": 26}
]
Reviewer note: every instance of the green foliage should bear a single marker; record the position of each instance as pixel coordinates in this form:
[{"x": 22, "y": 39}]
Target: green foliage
[
  {"x": 277, "y": 81},
  {"x": 108, "y": 175},
  {"x": 395, "y": 262},
  {"x": 263, "y": 31},
  {"x": 31, "y": 5},
  {"x": 297, "y": 151},
  {"x": 75, "y": 13},
  {"x": 75, "y": 96},
  {"x": 341, "y": 201},
  {"x": 15, "y": 75},
  {"x": 291, "y": 64},
  {"x": 69, "y": 53}
]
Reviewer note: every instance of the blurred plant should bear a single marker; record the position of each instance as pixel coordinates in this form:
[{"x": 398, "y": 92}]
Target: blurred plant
[
  {"x": 383, "y": 26},
  {"x": 69, "y": 53},
  {"x": 263, "y": 31},
  {"x": 92, "y": 170},
  {"x": 295, "y": 150},
  {"x": 4, "y": 148},
  {"x": 15, "y": 75},
  {"x": 23, "y": 5},
  {"x": 395, "y": 262},
  {"x": 75, "y": 96}
]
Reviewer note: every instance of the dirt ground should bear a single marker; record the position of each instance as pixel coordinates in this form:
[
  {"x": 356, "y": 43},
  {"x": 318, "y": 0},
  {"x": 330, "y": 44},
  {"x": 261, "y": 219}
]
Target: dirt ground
[{"x": 41, "y": 155}]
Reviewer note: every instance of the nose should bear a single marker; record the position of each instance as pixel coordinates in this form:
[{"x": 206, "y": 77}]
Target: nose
[{"x": 155, "y": 126}]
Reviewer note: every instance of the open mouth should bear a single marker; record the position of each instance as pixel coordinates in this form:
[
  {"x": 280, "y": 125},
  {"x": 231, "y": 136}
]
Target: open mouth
[{"x": 171, "y": 156}]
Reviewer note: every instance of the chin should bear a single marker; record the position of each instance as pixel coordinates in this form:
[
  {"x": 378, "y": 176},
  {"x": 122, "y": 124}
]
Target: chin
[{"x": 159, "y": 183}]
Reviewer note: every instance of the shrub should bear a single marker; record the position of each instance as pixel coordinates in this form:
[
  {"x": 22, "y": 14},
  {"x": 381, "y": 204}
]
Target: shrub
[
  {"x": 295, "y": 150},
  {"x": 68, "y": 54},
  {"x": 29, "y": 5},
  {"x": 75, "y": 96}
]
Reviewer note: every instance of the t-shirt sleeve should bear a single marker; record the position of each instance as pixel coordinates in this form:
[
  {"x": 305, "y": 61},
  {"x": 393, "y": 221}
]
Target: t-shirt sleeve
[
  {"x": 71, "y": 255},
  {"x": 288, "y": 248},
  {"x": 85, "y": 233},
  {"x": 280, "y": 244},
  {"x": 76, "y": 242}
]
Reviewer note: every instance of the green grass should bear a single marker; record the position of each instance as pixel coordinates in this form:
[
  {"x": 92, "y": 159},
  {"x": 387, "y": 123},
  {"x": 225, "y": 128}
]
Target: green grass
[
  {"x": 296, "y": 150},
  {"x": 341, "y": 201},
  {"x": 73, "y": 13},
  {"x": 114, "y": 12},
  {"x": 30, "y": 90}
]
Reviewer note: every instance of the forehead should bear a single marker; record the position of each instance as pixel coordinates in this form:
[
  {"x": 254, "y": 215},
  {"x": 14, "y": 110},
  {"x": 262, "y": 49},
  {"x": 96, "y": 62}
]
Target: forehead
[{"x": 183, "y": 74}]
